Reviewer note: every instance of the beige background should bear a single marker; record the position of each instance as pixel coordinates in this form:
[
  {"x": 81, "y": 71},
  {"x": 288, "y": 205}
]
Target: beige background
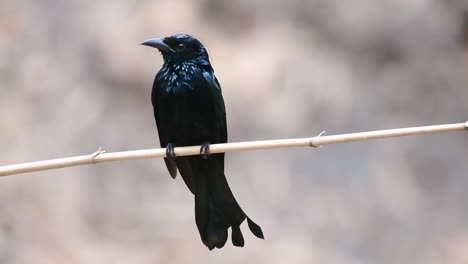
[{"x": 73, "y": 77}]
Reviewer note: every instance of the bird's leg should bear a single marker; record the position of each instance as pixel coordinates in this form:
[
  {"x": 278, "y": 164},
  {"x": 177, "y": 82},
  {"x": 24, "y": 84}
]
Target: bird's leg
[
  {"x": 170, "y": 151},
  {"x": 205, "y": 150}
]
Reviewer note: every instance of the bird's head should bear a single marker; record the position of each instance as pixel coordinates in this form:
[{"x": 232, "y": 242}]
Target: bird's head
[{"x": 179, "y": 48}]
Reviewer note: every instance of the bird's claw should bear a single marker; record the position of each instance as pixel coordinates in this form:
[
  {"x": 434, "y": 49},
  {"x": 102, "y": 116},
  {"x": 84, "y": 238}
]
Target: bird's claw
[
  {"x": 205, "y": 150},
  {"x": 170, "y": 151}
]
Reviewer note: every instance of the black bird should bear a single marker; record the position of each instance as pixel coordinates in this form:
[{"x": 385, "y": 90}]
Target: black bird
[{"x": 189, "y": 110}]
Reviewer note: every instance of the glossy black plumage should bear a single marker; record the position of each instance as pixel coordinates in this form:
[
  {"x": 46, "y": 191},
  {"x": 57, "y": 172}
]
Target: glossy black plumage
[{"x": 189, "y": 110}]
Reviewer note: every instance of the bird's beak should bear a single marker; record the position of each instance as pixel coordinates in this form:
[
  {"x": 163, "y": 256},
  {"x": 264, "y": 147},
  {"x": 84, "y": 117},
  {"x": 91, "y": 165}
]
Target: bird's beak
[{"x": 157, "y": 43}]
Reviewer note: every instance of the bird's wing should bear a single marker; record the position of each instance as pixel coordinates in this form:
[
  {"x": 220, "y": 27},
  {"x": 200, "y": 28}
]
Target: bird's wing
[
  {"x": 185, "y": 165},
  {"x": 170, "y": 163},
  {"x": 220, "y": 110}
]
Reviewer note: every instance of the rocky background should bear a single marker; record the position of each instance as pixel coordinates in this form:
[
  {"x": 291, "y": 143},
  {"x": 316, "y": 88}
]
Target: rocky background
[{"x": 73, "y": 77}]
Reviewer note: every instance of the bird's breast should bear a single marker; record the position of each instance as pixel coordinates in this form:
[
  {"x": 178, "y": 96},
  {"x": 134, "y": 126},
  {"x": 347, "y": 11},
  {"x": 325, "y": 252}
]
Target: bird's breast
[{"x": 178, "y": 79}]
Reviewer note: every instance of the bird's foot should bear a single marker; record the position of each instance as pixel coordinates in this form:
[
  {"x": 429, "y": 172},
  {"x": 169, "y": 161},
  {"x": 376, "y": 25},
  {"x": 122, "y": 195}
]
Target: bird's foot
[
  {"x": 205, "y": 150},
  {"x": 170, "y": 151}
]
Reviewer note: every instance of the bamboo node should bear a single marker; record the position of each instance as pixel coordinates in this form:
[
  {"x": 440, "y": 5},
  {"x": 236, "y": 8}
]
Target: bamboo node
[
  {"x": 311, "y": 142},
  {"x": 97, "y": 153}
]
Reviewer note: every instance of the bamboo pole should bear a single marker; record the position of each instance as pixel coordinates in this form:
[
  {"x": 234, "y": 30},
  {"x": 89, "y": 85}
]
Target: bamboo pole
[{"x": 100, "y": 155}]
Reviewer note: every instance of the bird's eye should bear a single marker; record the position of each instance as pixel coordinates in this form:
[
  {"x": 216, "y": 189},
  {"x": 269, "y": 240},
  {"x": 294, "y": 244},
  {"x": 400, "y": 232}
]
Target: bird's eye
[{"x": 180, "y": 47}]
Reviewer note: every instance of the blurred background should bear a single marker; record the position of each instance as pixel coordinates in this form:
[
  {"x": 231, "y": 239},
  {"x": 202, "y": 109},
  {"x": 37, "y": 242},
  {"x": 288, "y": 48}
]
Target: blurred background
[{"x": 73, "y": 77}]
